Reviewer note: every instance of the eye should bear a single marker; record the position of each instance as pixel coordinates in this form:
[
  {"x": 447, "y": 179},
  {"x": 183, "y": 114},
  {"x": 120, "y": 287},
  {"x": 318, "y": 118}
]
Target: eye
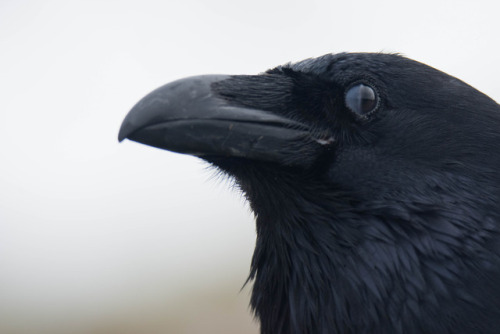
[{"x": 361, "y": 99}]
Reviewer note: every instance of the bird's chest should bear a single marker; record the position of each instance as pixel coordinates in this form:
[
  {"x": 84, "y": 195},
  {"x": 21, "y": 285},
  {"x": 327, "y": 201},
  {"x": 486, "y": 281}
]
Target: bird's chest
[{"x": 304, "y": 286}]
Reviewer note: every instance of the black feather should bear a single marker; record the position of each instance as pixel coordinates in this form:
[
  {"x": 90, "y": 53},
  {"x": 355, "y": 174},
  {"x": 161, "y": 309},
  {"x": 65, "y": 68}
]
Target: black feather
[{"x": 393, "y": 225}]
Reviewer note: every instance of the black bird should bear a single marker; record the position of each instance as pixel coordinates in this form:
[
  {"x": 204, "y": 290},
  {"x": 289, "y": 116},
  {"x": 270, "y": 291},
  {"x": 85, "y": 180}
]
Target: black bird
[{"x": 375, "y": 184}]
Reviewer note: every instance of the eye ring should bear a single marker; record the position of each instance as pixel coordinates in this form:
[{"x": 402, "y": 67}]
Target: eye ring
[{"x": 361, "y": 98}]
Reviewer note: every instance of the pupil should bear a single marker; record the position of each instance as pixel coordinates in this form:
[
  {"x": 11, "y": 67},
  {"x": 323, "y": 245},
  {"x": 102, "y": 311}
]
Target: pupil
[{"x": 368, "y": 102}]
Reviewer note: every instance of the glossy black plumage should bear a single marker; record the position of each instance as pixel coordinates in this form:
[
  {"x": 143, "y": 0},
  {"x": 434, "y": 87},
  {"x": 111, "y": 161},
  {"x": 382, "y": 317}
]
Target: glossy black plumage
[{"x": 384, "y": 222}]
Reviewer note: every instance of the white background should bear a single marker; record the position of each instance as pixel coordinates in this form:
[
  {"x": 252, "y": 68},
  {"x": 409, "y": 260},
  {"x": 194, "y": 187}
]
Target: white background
[{"x": 89, "y": 226}]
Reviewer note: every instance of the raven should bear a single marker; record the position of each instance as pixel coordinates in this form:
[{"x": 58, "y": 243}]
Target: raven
[{"x": 375, "y": 184}]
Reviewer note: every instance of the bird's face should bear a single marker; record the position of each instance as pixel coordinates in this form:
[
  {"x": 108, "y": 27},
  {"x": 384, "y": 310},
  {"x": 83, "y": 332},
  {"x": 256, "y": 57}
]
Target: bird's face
[{"x": 365, "y": 122}]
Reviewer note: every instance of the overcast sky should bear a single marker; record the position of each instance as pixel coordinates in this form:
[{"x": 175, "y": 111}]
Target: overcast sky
[{"x": 84, "y": 218}]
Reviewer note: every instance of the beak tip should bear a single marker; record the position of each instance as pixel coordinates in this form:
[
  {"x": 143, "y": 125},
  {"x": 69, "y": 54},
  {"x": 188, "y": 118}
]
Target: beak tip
[{"x": 124, "y": 132}]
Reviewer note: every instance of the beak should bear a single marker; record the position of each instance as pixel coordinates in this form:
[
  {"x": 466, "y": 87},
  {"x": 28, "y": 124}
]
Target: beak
[{"x": 187, "y": 116}]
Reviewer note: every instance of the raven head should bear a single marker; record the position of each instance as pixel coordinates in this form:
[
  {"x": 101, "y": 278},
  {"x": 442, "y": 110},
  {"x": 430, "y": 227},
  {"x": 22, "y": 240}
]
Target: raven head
[{"x": 375, "y": 184}]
